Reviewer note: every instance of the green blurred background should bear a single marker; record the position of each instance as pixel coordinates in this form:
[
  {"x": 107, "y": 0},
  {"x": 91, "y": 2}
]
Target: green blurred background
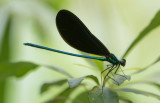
[{"x": 115, "y": 22}]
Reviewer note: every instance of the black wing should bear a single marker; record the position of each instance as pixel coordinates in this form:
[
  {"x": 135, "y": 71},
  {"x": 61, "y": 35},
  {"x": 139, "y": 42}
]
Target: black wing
[{"x": 77, "y": 35}]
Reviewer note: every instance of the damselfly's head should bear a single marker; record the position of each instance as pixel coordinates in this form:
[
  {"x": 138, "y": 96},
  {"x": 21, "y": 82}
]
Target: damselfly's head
[{"x": 123, "y": 62}]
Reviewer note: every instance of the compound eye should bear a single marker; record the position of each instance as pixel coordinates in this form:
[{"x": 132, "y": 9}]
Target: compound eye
[{"x": 123, "y": 62}]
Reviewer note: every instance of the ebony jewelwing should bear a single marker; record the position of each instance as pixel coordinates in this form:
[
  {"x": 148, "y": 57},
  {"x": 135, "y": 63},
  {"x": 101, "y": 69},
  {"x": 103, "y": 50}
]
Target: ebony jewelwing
[{"x": 77, "y": 35}]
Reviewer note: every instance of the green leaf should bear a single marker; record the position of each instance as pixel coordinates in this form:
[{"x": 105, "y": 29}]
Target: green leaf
[
  {"x": 2, "y": 89},
  {"x": 119, "y": 79},
  {"x": 62, "y": 97},
  {"x": 145, "y": 68},
  {"x": 5, "y": 48},
  {"x": 98, "y": 65},
  {"x": 76, "y": 81},
  {"x": 95, "y": 95},
  {"x": 5, "y": 52},
  {"x": 139, "y": 92},
  {"x": 109, "y": 96},
  {"x": 15, "y": 69},
  {"x": 60, "y": 70},
  {"x": 57, "y": 4},
  {"x": 153, "y": 24},
  {"x": 89, "y": 67},
  {"x": 157, "y": 85},
  {"x": 154, "y": 84},
  {"x": 81, "y": 98},
  {"x": 125, "y": 100},
  {"x": 46, "y": 86},
  {"x": 40, "y": 30}
]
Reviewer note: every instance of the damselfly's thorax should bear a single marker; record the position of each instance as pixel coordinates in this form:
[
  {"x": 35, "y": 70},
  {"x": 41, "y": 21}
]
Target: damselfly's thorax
[{"x": 112, "y": 59}]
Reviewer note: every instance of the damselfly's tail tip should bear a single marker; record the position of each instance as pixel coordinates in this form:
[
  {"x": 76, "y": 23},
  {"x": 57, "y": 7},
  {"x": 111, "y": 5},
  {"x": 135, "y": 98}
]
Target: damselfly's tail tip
[{"x": 26, "y": 43}]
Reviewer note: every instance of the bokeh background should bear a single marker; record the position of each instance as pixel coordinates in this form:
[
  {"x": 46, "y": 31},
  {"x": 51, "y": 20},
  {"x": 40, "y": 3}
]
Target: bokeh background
[{"x": 115, "y": 22}]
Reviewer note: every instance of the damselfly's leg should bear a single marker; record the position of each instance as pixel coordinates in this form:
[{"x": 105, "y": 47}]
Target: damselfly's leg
[
  {"x": 108, "y": 66},
  {"x": 110, "y": 71},
  {"x": 108, "y": 74},
  {"x": 104, "y": 79}
]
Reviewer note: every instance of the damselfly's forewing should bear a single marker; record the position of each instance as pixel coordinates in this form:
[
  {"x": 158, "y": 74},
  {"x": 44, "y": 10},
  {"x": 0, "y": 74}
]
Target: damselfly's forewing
[{"x": 77, "y": 35}]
